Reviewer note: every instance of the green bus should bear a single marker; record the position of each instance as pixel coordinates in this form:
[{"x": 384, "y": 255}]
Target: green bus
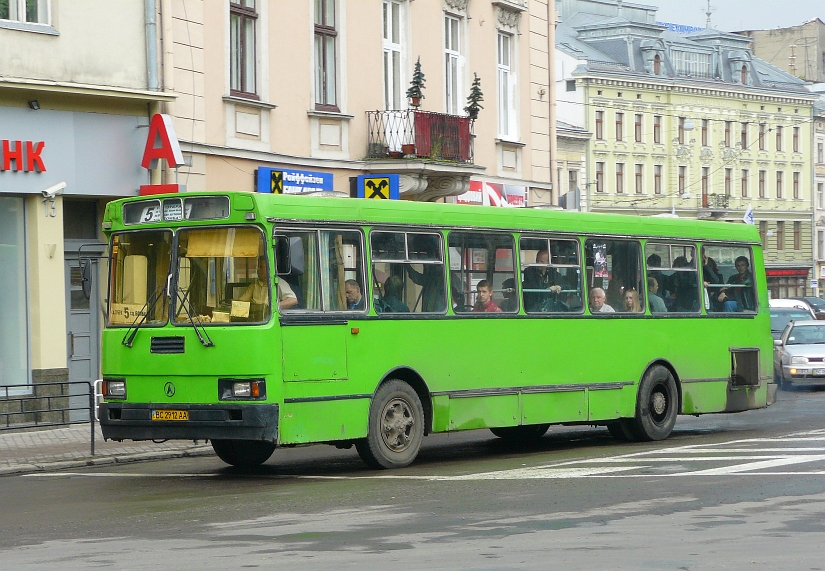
[{"x": 258, "y": 320}]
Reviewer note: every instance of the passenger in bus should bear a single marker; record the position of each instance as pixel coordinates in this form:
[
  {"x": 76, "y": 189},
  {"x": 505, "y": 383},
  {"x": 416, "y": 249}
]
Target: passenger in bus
[
  {"x": 654, "y": 263},
  {"x": 257, "y": 293},
  {"x": 431, "y": 280},
  {"x": 352, "y": 290},
  {"x": 631, "y": 301},
  {"x": 391, "y": 302},
  {"x": 510, "y": 302},
  {"x": 657, "y": 304},
  {"x": 540, "y": 278},
  {"x": 597, "y": 301},
  {"x": 615, "y": 292},
  {"x": 484, "y": 299},
  {"x": 739, "y": 298},
  {"x": 711, "y": 276},
  {"x": 684, "y": 286}
]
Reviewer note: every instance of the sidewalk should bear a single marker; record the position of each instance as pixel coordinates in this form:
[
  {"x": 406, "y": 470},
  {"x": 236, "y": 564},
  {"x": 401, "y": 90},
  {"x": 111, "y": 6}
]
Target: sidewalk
[{"x": 65, "y": 448}]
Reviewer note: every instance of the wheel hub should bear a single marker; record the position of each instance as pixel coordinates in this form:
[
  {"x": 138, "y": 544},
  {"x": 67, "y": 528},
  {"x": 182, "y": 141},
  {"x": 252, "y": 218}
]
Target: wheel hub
[
  {"x": 658, "y": 403},
  {"x": 397, "y": 425}
]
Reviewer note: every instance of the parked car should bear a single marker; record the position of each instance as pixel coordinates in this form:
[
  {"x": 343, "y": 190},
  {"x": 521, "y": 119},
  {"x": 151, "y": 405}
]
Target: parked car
[
  {"x": 791, "y": 303},
  {"x": 799, "y": 355},
  {"x": 781, "y": 316},
  {"x": 816, "y": 303}
]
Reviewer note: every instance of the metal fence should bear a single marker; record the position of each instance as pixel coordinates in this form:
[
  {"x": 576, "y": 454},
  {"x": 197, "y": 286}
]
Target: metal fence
[
  {"x": 411, "y": 134},
  {"x": 48, "y": 405}
]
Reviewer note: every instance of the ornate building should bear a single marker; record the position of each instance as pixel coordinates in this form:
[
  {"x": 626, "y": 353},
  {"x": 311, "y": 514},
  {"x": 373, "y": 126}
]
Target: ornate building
[{"x": 692, "y": 125}]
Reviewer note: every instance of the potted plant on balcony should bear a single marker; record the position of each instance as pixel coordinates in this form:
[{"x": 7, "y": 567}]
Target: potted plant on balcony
[
  {"x": 473, "y": 99},
  {"x": 415, "y": 93}
]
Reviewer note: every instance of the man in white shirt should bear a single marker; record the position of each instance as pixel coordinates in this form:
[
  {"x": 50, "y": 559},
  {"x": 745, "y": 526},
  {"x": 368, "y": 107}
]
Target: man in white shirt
[
  {"x": 258, "y": 291},
  {"x": 597, "y": 304}
]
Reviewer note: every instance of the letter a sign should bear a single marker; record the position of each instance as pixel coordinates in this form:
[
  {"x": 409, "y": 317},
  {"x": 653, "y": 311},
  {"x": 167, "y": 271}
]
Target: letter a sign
[{"x": 162, "y": 143}]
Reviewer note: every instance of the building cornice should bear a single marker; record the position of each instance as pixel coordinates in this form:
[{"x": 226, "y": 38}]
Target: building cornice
[{"x": 105, "y": 91}]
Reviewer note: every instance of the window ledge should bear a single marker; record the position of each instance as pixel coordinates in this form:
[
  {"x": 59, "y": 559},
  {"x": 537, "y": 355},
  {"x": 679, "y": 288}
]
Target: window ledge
[
  {"x": 500, "y": 141},
  {"x": 27, "y": 27},
  {"x": 249, "y": 102},
  {"x": 330, "y": 115}
]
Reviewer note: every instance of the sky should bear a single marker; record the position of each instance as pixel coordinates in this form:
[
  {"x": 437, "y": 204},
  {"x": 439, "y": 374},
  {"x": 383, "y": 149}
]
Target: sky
[{"x": 735, "y": 15}]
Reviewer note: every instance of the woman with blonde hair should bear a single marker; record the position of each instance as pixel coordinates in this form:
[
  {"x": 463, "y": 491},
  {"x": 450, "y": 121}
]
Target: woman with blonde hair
[{"x": 631, "y": 301}]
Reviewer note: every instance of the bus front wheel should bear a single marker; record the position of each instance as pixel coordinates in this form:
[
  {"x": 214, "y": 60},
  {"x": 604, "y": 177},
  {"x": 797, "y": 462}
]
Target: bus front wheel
[
  {"x": 396, "y": 427},
  {"x": 243, "y": 453},
  {"x": 657, "y": 405}
]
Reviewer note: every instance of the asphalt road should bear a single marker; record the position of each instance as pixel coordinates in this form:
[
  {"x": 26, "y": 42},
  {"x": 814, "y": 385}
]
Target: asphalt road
[{"x": 743, "y": 491}]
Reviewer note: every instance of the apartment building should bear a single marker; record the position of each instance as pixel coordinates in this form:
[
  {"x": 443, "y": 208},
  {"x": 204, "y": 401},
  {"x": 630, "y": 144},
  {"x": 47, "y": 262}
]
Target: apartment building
[
  {"x": 693, "y": 125},
  {"x": 320, "y": 87}
]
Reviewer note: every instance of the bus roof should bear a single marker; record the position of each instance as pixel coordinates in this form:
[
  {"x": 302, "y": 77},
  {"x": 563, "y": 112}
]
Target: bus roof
[{"x": 275, "y": 207}]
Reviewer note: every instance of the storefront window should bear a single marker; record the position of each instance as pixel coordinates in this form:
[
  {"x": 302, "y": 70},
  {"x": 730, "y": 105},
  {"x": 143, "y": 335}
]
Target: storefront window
[{"x": 14, "y": 366}]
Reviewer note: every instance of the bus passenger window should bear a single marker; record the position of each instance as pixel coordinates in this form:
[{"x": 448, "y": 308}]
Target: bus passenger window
[
  {"x": 615, "y": 280},
  {"x": 551, "y": 275},
  {"x": 323, "y": 268},
  {"x": 727, "y": 276},
  {"x": 408, "y": 272},
  {"x": 672, "y": 278},
  {"x": 482, "y": 273}
]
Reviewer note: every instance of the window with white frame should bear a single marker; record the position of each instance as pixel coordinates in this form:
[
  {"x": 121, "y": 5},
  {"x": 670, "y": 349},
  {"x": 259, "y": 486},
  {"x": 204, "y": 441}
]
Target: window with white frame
[
  {"x": 693, "y": 64},
  {"x": 452, "y": 63},
  {"x": 27, "y": 11},
  {"x": 506, "y": 90},
  {"x": 326, "y": 36},
  {"x": 243, "y": 18},
  {"x": 393, "y": 54}
]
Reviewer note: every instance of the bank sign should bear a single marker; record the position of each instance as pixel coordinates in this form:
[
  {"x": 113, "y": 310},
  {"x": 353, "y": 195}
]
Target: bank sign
[{"x": 286, "y": 181}]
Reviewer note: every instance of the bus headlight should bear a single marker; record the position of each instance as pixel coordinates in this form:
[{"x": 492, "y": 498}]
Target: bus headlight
[
  {"x": 799, "y": 360},
  {"x": 241, "y": 389},
  {"x": 114, "y": 389}
]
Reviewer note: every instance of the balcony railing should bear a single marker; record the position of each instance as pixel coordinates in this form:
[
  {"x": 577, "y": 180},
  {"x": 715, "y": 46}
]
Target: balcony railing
[
  {"x": 411, "y": 134},
  {"x": 716, "y": 201}
]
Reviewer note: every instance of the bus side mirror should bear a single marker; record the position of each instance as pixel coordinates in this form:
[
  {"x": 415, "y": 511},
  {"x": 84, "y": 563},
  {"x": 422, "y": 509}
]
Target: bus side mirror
[
  {"x": 283, "y": 259},
  {"x": 86, "y": 277}
]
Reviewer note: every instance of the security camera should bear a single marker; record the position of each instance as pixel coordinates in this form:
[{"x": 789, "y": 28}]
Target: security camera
[{"x": 53, "y": 190}]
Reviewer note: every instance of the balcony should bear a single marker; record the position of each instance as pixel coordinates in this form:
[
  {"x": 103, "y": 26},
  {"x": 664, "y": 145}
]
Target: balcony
[
  {"x": 410, "y": 134},
  {"x": 431, "y": 152},
  {"x": 714, "y": 205}
]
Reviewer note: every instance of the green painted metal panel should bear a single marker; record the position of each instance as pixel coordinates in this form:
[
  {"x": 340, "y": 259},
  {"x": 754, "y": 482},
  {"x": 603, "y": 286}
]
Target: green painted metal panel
[{"x": 567, "y": 406}]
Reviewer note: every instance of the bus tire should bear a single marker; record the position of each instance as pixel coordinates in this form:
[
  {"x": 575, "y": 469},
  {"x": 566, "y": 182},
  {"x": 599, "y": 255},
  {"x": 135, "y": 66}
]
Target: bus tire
[
  {"x": 396, "y": 427},
  {"x": 243, "y": 453},
  {"x": 524, "y": 434},
  {"x": 657, "y": 405}
]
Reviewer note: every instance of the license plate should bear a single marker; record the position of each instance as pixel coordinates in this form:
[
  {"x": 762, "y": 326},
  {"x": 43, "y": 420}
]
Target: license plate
[
  {"x": 819, "y": 371},
  {"x": 170, "y": 415}
]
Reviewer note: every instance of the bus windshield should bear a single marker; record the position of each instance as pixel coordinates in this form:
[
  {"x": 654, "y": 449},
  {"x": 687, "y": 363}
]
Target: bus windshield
[
  {"x": 140, "y": 267},
  {"x": 222, "y": 276}
]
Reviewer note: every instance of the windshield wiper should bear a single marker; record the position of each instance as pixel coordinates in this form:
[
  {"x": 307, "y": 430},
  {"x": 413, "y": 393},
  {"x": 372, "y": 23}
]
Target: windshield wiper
[
  {"x": 196, "y": 323},
  {"x": 147, "y": 308}
]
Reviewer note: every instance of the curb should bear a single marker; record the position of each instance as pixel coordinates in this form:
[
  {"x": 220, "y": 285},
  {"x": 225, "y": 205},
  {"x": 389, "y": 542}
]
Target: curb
[{"x": 35, "y": 467}]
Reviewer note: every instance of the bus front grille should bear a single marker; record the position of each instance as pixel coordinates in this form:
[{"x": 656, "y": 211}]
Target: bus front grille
[{"x": 166, "y": 345}]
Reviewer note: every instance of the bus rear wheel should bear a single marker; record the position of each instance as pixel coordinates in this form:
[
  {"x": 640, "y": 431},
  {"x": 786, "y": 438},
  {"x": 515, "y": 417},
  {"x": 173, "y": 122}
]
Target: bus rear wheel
[
  {"x": 243, "y": 453},
  {"x": 657, "y": 405},
  {"x": 526, "y": 433},
  {"x": 396, "y": 427}
]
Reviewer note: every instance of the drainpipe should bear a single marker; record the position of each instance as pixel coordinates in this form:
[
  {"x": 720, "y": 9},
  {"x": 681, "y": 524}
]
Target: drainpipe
[
  {"x": 551, "y": 73},
  {"x": 151, "y": 45}
]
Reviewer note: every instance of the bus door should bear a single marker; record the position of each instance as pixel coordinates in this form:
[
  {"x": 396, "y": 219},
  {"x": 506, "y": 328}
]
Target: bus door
[{"x": 323, "y": 271}]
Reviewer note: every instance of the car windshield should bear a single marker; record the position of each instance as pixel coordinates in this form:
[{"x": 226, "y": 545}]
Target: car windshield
[
  {"x": 780, "y": 317},
  {"x": 807, "y": 335},
  {"x": 817, "y": 303}
]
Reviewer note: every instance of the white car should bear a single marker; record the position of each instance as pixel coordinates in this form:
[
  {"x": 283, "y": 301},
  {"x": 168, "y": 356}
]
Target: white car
[{"x": 796, "y": 303}]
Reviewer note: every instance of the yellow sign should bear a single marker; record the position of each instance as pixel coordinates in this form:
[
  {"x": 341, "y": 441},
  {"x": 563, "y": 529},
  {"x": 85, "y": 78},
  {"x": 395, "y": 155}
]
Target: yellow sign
[
  {"x": 377, "y": 187},
  {"x": 277, "y": 182}
]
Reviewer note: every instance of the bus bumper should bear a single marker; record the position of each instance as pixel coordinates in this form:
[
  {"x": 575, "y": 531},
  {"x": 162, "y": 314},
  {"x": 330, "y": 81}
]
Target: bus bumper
[{"x": 126, "y": 421}]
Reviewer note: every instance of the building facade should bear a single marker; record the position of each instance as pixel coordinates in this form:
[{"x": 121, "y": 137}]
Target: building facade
[
  {"x": 692, "y": 125},
  {"x": 75, "y": 97},
  {"x": 819, "y": 188},
  {"x": 799, "y": 50}
]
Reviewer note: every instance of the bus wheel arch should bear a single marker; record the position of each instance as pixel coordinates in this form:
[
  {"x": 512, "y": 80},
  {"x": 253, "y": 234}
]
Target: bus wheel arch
[
  {"x": 658, "y": 402},
  {"x": 416, "y": 381}
]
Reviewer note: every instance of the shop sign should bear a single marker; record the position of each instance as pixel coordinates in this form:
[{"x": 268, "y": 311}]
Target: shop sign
[
  {"x": 161, "y": 144},
  {"x": 285, "y": 181},
  {"x": 15, "y": 159},
  {"x": 786, "y": 272},
  {"x": 493, "y": 194},
  {"x": 380, "y": 187}
]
